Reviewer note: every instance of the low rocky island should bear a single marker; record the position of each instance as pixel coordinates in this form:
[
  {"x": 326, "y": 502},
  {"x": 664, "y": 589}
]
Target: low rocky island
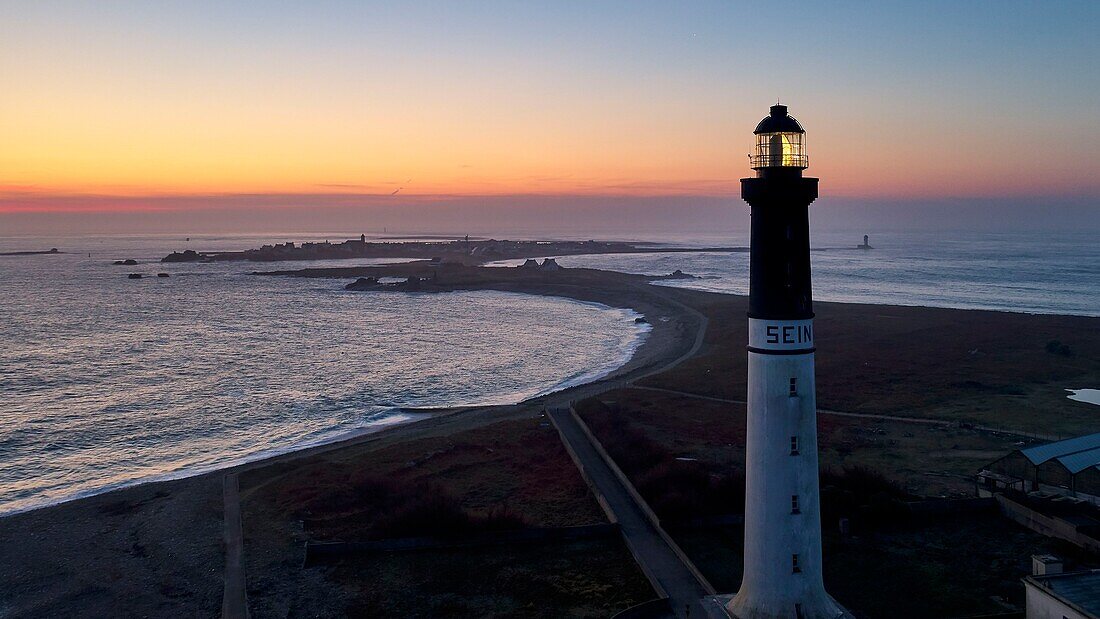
[
  {"x": 52, "y": 250},
  {"x": 467, "y": 250}
]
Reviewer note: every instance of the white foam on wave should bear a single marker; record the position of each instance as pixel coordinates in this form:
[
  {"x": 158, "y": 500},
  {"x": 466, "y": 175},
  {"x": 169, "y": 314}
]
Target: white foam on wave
[
  {"x": 395, "y": 417},
  {"x": 626, "y": 352}
]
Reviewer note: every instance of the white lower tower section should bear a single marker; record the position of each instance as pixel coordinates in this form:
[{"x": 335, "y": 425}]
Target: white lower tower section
[{"x": 782, "y": 574}]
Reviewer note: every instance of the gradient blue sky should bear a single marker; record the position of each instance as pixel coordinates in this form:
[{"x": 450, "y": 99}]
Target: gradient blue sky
[{"x": 186, "y": 111}]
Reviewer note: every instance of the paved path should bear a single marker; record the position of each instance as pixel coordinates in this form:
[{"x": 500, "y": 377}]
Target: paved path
[
  {"x": 654, "y": 551},
  {"x": 234, "y": 600}
]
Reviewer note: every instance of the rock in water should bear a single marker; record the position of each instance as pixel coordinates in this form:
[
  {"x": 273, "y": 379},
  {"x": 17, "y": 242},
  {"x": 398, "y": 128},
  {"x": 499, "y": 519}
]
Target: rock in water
[
  {"x": 363, "y": 283},
  {"x": 189, "y": 255},
  {"x": 134, "y": 276}
]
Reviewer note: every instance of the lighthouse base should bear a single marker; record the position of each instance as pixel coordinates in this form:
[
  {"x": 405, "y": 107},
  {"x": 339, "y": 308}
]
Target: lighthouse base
[{"x": 717, "y": 607}]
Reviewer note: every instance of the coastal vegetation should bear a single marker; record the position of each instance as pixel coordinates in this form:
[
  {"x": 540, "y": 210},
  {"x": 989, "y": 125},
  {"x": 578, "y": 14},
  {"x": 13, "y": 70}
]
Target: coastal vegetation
[
  {"x": 504, "y": 475},
  {"x": 913, "y": 402}
]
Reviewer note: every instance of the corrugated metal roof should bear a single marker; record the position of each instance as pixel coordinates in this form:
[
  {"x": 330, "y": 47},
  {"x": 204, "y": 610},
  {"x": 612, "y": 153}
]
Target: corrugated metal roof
[
  {"x": 1041, "y": 453},
  {"x": 1081, "y": 460}
]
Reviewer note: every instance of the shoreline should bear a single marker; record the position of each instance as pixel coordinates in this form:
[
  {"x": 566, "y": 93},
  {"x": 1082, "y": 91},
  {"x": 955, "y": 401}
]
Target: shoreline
[
  {"x": 644, "y": 350},
  {"x": 655, "y": 345}
]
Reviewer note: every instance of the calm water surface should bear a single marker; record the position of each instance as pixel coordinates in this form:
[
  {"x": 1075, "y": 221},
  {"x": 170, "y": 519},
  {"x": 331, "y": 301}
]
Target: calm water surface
[{"x": 1036, "y": 273}]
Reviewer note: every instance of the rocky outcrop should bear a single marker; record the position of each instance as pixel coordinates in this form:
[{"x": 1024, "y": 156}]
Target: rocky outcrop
[
  {"x": 413, "y": 283},
  {"x": 189, "y": 255},
  {"x": 128, "y": 262},
  {"x": 364, "y": 283},
  {"x": 677, "y": 274}
]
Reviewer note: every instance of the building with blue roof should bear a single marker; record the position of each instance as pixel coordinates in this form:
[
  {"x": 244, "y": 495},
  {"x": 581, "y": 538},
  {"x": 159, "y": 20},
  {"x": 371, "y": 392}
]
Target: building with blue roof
[{"x": 1069, "y": 467}]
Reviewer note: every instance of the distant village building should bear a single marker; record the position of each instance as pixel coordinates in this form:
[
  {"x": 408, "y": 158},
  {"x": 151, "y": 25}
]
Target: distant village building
[{"x": 1070, "y": 467}]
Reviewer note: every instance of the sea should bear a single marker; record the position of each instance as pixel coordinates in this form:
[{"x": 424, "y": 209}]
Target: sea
[
  {"x": 107, "y": 381},
  {"x": 1040, "y": 273}
]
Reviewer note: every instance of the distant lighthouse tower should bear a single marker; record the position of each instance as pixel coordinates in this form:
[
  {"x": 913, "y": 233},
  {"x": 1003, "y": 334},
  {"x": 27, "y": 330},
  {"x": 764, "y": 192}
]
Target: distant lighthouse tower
[{"x": 782, "y": 575}]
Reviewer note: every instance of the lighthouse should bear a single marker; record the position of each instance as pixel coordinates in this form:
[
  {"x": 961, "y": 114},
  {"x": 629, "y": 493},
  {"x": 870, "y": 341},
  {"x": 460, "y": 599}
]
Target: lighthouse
[{"x": 782, "y": 571}]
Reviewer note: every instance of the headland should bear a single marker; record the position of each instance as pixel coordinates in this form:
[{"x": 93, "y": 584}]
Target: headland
[{"x": 466, "y": 251}]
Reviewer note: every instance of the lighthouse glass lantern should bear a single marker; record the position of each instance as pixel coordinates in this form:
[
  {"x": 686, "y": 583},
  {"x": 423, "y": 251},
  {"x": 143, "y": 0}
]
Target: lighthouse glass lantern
[{"x": 780, "y": 142}]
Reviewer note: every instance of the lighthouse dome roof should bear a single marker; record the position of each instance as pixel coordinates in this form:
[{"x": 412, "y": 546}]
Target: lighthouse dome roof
[{"x": 778, "y": 121}]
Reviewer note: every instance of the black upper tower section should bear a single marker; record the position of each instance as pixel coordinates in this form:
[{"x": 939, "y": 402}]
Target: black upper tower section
[{"x": 779, "y": 198}]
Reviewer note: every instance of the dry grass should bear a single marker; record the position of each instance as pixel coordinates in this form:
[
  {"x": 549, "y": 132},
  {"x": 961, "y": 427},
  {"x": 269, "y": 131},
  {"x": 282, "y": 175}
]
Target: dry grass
[
  {"x": 507, "y": 474},
  {"x": 595, "y": 578},
  {"x": 992, "y": 368},
  {"x": 950, "y": 568}
]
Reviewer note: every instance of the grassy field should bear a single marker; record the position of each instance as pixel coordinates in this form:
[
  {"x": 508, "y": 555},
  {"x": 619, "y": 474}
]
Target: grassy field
[
  {"x": 594, "y": 578},
  {"x": 508, "y": 474},
  {"x": 955, "y": 568},
  {"x": 926, "y": 460},
  {"x": 992, "y": 368},
  {"x": 687, "y": 460}
]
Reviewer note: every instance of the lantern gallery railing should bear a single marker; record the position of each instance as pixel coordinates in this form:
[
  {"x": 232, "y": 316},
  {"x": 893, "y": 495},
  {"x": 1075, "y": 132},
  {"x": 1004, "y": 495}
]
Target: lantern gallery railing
[{"x": 779, "y": 160}]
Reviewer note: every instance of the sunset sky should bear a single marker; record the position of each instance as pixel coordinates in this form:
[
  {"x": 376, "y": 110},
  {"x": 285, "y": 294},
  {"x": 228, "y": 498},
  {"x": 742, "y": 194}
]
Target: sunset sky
[{"x": 193, "y": 106}]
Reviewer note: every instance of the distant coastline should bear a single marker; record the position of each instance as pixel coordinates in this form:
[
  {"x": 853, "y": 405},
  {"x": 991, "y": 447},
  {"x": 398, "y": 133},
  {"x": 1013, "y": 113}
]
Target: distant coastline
[
  {"x": 465, "y": 251},
  {"x": 50, "y": 251}
]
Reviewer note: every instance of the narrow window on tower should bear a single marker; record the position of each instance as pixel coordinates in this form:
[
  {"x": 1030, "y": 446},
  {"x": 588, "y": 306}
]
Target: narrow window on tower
[
  {"x": 794, "y": 387},
  {"x": 794, "y": 504},
  {"x": 794, "y": 445},
  {"x": 794, "y": 564}
]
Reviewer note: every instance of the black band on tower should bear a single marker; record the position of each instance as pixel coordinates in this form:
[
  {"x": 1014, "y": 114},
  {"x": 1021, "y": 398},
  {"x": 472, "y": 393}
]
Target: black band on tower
[{"x": 779, "y": 265}]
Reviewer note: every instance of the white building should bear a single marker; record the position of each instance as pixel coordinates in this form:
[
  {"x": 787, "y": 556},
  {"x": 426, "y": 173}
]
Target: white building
[{"x": 1053, "y": 594}]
